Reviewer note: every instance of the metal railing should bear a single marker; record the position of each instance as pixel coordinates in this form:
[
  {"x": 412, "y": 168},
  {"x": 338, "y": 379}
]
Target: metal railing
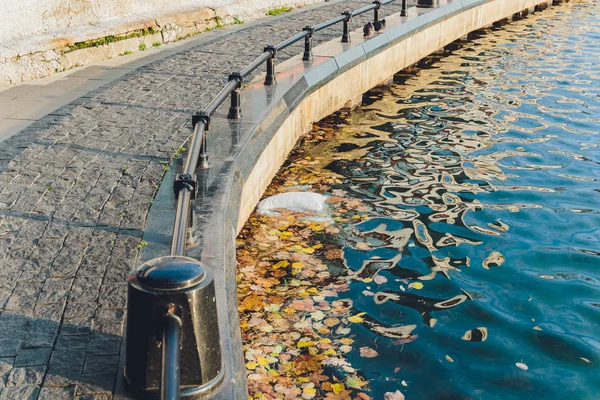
[
  {"x": 185, "y": 183},
  {"x": 169, "y": 281}
]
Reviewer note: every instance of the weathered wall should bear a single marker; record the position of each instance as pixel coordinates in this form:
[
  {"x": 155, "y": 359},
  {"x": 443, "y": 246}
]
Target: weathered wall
[{"x": 35, "y": 34}]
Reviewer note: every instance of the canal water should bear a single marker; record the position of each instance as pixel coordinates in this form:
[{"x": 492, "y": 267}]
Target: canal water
[{"x": 465, "y": 202}]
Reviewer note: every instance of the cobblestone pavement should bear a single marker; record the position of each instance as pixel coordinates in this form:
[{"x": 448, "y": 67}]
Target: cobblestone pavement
[{"x": 75, "y": 188}]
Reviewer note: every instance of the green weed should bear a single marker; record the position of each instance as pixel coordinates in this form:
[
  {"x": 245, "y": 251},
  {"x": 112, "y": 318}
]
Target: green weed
[{"x": 279, "y": 10}]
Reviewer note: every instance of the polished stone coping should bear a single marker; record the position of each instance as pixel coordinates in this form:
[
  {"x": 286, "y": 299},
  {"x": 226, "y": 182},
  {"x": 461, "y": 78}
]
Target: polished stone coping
[{"x": 246, "y": 154}]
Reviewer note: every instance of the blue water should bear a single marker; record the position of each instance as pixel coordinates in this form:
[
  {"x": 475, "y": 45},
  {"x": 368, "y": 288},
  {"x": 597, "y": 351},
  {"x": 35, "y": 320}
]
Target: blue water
[{"x": 490, "y": 151}]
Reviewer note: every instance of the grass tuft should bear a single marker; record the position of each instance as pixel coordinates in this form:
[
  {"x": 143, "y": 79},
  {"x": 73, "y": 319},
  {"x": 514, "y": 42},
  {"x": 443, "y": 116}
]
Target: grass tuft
[{"x": 279, "y": 10}]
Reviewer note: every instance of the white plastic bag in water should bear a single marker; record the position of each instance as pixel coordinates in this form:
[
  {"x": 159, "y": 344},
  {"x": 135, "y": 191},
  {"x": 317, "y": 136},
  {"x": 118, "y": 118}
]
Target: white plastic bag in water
[{"x": 293, "y": 201}]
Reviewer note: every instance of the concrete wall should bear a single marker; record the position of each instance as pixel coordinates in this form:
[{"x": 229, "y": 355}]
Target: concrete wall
[{"x": 35, "y": 34}]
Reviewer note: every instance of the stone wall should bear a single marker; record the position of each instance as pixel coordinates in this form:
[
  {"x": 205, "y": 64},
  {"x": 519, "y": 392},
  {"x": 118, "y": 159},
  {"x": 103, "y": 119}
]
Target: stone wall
[{"x": 36, "y": 36}]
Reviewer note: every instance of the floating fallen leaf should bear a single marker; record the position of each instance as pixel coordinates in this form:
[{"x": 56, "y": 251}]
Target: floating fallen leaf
[
  {"x": 397, "y": 395},
  {"x": 308, "y": 392},
  {"x": 281, "y": 264},
  {"x": 368, "y": 352},
  {"x": 251, "y": 365},
  {"x": 537, "y": 328},
  {"x": 338, "y": 387},
  {"x": 404, "y": 383},
  {"x": 380, "y": 279},
  {"x": 585, "y": 359},
  {"x": 355, "y": 319},
  {"x": 522, "y": 366},
  {"x": 546, "y": 277},
  {"x": 355, "y": 382},
  {"x": 450, "y": 359},
  {"x": 415, "y": 285},
  {"x": 262, "y": 361}
]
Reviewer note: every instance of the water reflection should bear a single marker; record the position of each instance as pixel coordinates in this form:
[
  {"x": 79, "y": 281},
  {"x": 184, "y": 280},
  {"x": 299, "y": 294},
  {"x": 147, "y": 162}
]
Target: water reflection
[{"x": 477, "y": 265}]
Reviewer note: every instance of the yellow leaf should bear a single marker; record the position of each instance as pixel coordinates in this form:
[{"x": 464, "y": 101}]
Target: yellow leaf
[
  {"x": 281, "y": 264},
  {"x": 251, "y": 365},
  {"x": 297, "y": 265},
  {"x": 337, "y": 388},
  {"x": 273, "y": 373},
  {"x": 368, "y": 280},
  {"x": 263, "y": 361},
  {"x": 416, "y": 285},
  {"x": 317, "y": 246},
  {"x": 308, "y": 250},
  {"x": 325, "y": 341},
  {"x": 355, "y": 319},
  {"x": 305, "y": 344},
  {"x": 329, "y": 352},
  {"x": 303, "y": 379},
  {"x": 312, "y": 290},
  {"x": 346, "y": 341}
]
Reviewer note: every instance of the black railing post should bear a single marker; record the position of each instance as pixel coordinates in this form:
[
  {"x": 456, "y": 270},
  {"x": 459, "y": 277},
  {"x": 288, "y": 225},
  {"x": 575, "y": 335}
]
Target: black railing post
[
  {"x": 235, "y": 110},
  {"x": 171, "y": 339},
  {"x": 203, "y": 156},
  {"x": 346, "y": 32},
  {"x": 172, "y": 322},
  {"x": 403, "y": 10},
  {"x": 376, "y": 11},
  {"x": 188, "y": 182},
  {"x": 308, "y": 55},
  {"x": 271, "y": 79}
]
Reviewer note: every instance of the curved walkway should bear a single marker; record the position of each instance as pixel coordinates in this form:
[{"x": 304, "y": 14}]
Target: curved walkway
[{"x": 75, "y": 189}]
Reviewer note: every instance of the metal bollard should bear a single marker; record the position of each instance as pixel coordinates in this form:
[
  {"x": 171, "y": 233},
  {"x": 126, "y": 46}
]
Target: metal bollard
[
  {"x": 235, "y": 110},
  {"x": 346, "y": 32},
  {"x": 172, "y": 330},
  {"x": 428, "y": 3},
  {"x": 403, "y": 10},
  {"x": 308, "y": 55},
  {"x": 271, "y": 79}
]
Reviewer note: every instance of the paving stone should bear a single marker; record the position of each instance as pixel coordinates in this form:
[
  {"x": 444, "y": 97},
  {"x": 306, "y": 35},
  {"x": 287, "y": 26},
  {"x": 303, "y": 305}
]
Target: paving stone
[
  {"x": 103, "y": 344},
  {"x": 9, "y": 347},
  {"x": 65, "y": 342},
  {"x": 20, "y": 393},
  {"x": 55, "y": 290},
  {"x": 96, "y": 384},
  {"x": 52, "y": 393},
  {"x": 26, "y": 376},
  {"x": 100, "y": 364},
  {"x": 6, "y": 365},
  {"x": 33, "y": 357}
]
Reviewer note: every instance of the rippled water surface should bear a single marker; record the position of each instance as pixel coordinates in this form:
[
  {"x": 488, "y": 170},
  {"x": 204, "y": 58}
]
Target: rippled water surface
[
  {"x": 487, "y": 166},
  {"x": 479, "y": 172}
]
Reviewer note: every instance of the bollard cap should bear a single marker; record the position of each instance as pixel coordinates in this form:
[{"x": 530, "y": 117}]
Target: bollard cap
[{"x": 170, "y": 273}]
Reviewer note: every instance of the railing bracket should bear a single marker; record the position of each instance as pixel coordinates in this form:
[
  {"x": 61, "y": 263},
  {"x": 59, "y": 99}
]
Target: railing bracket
[{"x": 185, "y": 181}]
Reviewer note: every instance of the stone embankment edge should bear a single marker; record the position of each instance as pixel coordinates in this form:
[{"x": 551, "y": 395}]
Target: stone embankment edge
[
  {"x": 320, "y": 92},
  {"x": 48, "y": 56}
]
